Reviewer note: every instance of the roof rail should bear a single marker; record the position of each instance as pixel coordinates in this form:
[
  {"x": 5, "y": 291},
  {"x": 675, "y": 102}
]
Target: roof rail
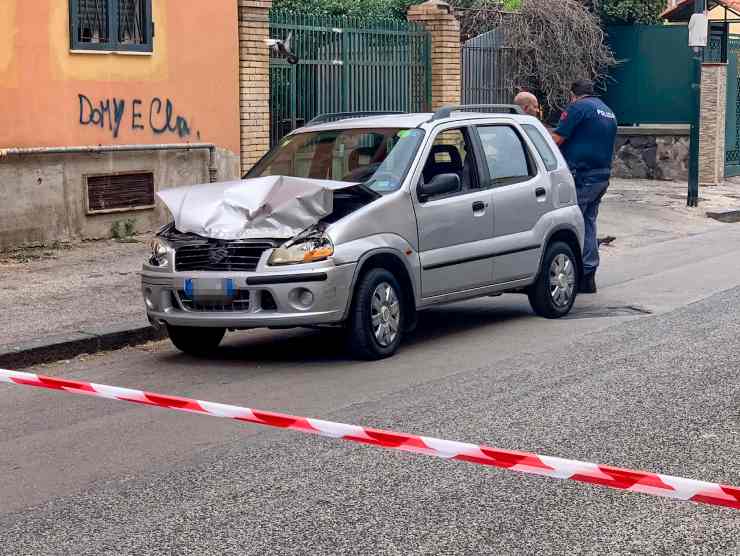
[
  {"x": 336, "y": 116},
  {"x": 446, "y": 111}
]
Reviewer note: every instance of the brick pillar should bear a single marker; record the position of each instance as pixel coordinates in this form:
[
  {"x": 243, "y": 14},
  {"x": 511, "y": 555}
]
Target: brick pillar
[
  {"x": 712, "y": 124},
  {"x": 437, "y": 18},
  {"x": 254, "y": 80}
]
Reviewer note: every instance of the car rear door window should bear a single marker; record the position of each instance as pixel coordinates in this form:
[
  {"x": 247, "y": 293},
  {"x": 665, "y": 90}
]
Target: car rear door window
[
  {"x": 540, "y": 143},
  {"x": 505, "y": 154}
]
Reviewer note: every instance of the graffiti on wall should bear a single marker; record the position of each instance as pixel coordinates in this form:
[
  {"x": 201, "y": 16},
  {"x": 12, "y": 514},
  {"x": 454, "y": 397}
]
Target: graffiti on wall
[{"x": 157, "y": 115}]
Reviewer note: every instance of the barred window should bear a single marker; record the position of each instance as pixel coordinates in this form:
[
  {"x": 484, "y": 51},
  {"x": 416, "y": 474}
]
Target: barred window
[{"x": 118, "y": 25}]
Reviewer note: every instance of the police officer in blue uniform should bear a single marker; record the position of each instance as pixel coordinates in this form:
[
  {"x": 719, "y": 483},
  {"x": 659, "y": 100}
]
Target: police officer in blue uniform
[{"x": 586, "y": 135}]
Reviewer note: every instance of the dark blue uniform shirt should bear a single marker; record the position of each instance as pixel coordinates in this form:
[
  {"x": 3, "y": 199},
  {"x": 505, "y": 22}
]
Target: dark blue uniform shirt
[{"x": 589, "y": 128}]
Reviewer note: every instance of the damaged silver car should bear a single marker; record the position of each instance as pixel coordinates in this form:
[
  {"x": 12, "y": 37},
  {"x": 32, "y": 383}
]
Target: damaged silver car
[{"x": 361, "y": 222}]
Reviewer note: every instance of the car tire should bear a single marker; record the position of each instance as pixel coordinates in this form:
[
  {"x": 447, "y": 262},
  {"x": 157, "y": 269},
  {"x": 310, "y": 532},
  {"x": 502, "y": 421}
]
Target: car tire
[
  {"x": 197, "y": 341},
  {"x": 553, "y": 294},
  {"x": 377, "y": 316}
]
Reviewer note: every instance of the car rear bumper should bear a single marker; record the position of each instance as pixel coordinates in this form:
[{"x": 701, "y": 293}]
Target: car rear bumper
[{"x": 265, "y": 299}]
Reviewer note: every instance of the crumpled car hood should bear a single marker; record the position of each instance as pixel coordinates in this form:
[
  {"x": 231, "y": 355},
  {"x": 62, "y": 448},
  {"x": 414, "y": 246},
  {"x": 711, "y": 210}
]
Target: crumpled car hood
[{"x": 274, "y": 206}]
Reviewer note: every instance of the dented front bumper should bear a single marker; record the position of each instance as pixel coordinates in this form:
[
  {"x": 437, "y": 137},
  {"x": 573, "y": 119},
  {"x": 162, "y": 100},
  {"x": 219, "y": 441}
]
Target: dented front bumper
[{"x": 313, "y": 294}]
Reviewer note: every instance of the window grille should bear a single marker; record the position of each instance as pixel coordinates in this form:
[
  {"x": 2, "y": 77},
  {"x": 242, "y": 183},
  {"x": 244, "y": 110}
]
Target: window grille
[{"x": 111, "y": 25}]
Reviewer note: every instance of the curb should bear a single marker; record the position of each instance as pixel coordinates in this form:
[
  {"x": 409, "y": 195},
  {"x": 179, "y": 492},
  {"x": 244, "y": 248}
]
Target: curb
[
  {"x": 71, "y": 344},
  {"x": 729, "y": 216}
]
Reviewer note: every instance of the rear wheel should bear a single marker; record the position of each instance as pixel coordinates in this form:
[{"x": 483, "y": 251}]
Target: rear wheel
[
  {"x": 553, "y": 294},
  {"x": 378, "y": 317},
  {"x": 195, "y": 341}
]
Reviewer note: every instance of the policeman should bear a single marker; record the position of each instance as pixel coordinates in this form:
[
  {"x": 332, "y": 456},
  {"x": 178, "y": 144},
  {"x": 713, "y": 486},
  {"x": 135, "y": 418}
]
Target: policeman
[{"x": 586, "y": 135}]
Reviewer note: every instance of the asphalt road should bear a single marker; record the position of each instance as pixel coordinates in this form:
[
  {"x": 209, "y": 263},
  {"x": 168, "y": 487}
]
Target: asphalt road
[{"x": 646, "y": 375}]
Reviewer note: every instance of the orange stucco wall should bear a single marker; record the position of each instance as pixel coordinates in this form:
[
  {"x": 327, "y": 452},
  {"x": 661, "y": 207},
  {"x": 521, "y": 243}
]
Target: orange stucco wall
[{"x": 50, "y": 96}]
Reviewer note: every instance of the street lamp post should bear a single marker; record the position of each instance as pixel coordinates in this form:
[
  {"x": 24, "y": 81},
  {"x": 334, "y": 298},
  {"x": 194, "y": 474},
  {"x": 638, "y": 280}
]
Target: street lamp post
[{"x": 697, "y": 40}]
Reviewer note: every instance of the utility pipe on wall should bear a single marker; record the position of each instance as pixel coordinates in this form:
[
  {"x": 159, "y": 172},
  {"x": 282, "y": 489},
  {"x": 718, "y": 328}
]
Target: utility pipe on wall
[{"x": 212, "y": 170}]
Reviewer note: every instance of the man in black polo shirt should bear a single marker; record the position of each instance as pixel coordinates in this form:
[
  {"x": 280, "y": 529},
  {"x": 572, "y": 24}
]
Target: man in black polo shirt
[{"x": 586, "y": 135}]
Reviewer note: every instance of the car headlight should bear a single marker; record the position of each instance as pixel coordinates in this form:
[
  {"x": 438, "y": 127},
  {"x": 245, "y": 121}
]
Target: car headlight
[
  {"x": 303, "y": 250},
  {"x": 160, "y": 250}
]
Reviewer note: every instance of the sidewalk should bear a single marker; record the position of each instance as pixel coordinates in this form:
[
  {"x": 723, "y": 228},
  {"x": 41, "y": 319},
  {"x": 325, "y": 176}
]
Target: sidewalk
[
  {"x": 60, "y": 301},
  {"x": 642, "y": 212},
  {"x": 64, "y": 300}
]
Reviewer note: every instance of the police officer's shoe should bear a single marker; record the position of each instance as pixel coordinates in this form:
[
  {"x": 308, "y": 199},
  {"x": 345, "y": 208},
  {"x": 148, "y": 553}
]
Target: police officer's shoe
[{"x": 588, "y": 283}]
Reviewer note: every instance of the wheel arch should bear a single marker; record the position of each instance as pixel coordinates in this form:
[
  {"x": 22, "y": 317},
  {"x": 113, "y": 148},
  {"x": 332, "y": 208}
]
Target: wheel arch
[
  {"x": 391, "y": 260},
  {"x": 568, "y": 236}
]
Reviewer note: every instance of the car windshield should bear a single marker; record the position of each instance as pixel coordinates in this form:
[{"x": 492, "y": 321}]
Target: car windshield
[{"x": 378, "y": 158}]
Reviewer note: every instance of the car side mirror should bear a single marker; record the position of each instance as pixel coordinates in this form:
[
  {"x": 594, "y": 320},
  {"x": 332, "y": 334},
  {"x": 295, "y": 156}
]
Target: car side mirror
[{"x": 441, "y": 184}]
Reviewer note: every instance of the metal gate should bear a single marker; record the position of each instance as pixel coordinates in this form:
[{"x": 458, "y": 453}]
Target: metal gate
[
  {"x": 486, "y": 70},
  {"x": 346, "y": 65},
  {"x": 732, "y": 120}
]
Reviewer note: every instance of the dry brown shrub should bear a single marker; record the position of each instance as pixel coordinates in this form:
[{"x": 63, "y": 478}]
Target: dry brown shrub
[{"x": 554, "y": 43}]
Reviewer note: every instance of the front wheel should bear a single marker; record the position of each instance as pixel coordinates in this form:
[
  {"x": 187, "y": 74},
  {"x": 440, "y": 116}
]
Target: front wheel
[
  {"x": 553, "y": 294},
  {"x": 195, "y": 341},
  {"x": 378, "y": 317}
]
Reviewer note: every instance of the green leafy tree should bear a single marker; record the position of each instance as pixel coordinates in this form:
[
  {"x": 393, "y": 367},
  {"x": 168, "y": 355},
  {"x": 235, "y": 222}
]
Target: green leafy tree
[
  {"x": 379, "y": 9},
  {"x": 630, "y": 11},
  {"x": 366, "y": 9}
]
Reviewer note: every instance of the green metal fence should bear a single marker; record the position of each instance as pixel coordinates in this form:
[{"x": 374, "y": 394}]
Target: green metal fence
[
  {"x": 732, "y": 117},
  {"x": 346, "y": 65},
  {"x": 652, "y": 83},
  {"x": 716, "y": 50},
  {"x": 487, "y": 65}
]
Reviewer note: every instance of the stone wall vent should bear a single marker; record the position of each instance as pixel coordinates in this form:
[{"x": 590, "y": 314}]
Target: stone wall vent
[{"x": 120, "y": 192}]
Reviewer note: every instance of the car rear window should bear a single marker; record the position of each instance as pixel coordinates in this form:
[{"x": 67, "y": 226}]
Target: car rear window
[{"x": 540, "y": 143}]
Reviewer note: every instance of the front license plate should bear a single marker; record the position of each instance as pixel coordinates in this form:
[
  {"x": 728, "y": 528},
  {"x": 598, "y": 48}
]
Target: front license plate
[{"x": 210, "y": 289}]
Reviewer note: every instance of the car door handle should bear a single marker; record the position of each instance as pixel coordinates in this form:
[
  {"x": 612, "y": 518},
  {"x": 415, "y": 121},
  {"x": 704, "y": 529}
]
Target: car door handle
[
  {"x": 540, "y": 192},
  {"x": 479, "y": 207}
]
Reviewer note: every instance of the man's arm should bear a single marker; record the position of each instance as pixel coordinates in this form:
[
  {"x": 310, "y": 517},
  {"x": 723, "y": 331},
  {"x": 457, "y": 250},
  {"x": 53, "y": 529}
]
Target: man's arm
[{"x": 570, "y": 119}]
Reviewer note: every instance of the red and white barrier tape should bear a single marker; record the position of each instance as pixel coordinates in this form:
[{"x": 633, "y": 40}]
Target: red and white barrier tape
[{"x": 558, "y": 468}]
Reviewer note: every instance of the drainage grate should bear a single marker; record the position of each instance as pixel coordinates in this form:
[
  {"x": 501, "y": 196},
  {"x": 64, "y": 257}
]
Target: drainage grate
[
  {"x": 603, "y": 312},
  {"x": 113, "y": 192}
]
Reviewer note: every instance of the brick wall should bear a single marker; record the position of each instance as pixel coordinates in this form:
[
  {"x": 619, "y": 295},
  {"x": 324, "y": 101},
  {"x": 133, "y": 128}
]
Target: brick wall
[
  {"x": 712, "y": 126},
  {"x": 437, "y": 18},
  {"x": 254, "y": 80}
]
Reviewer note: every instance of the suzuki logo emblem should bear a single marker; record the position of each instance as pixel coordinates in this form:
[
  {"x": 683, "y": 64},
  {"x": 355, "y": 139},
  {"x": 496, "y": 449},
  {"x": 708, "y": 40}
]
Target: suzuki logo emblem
[{"x": 218, "y": 254}]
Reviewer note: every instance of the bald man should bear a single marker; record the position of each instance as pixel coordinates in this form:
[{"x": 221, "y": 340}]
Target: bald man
[{"x": 529, "y": 103}]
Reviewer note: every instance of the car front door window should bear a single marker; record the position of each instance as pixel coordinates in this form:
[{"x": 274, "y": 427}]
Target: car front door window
[{"x": 451, "y": 153}]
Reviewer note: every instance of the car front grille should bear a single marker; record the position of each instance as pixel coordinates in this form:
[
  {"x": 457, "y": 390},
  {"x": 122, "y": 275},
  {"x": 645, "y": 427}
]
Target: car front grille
[
  {"x": 239, "y": 303},
  {"x": 217, "y": 255}
]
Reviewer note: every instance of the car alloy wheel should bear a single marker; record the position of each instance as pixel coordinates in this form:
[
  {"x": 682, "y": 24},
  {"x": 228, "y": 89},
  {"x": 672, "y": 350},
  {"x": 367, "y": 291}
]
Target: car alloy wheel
[
  {"x": 385, "y": 314},
  {"x": 554, "y": 291},
  {"x": 377, "y": 316},
  {"x": 562, "y": 280}
]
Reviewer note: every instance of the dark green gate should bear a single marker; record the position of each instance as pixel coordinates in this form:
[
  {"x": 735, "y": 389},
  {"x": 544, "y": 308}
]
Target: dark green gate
[
  {"x": 652, "y": 82},
  {"x": 732, "y": 119},
  {"x": 346, "y": 65}
]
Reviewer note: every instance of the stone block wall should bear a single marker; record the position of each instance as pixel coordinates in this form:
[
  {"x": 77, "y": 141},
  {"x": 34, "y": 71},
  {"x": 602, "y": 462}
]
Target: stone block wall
[
  {"x": 712, "y": 128},
  {"x": 652, "y": 153},
  {"x": 662, "y": 152},
  {"x": 437, "y": 18},
  {"x": 254, "y": 80}
]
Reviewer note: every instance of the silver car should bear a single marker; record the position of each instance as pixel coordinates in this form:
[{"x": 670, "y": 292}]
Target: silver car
[{"x": 429, "y": 209}]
